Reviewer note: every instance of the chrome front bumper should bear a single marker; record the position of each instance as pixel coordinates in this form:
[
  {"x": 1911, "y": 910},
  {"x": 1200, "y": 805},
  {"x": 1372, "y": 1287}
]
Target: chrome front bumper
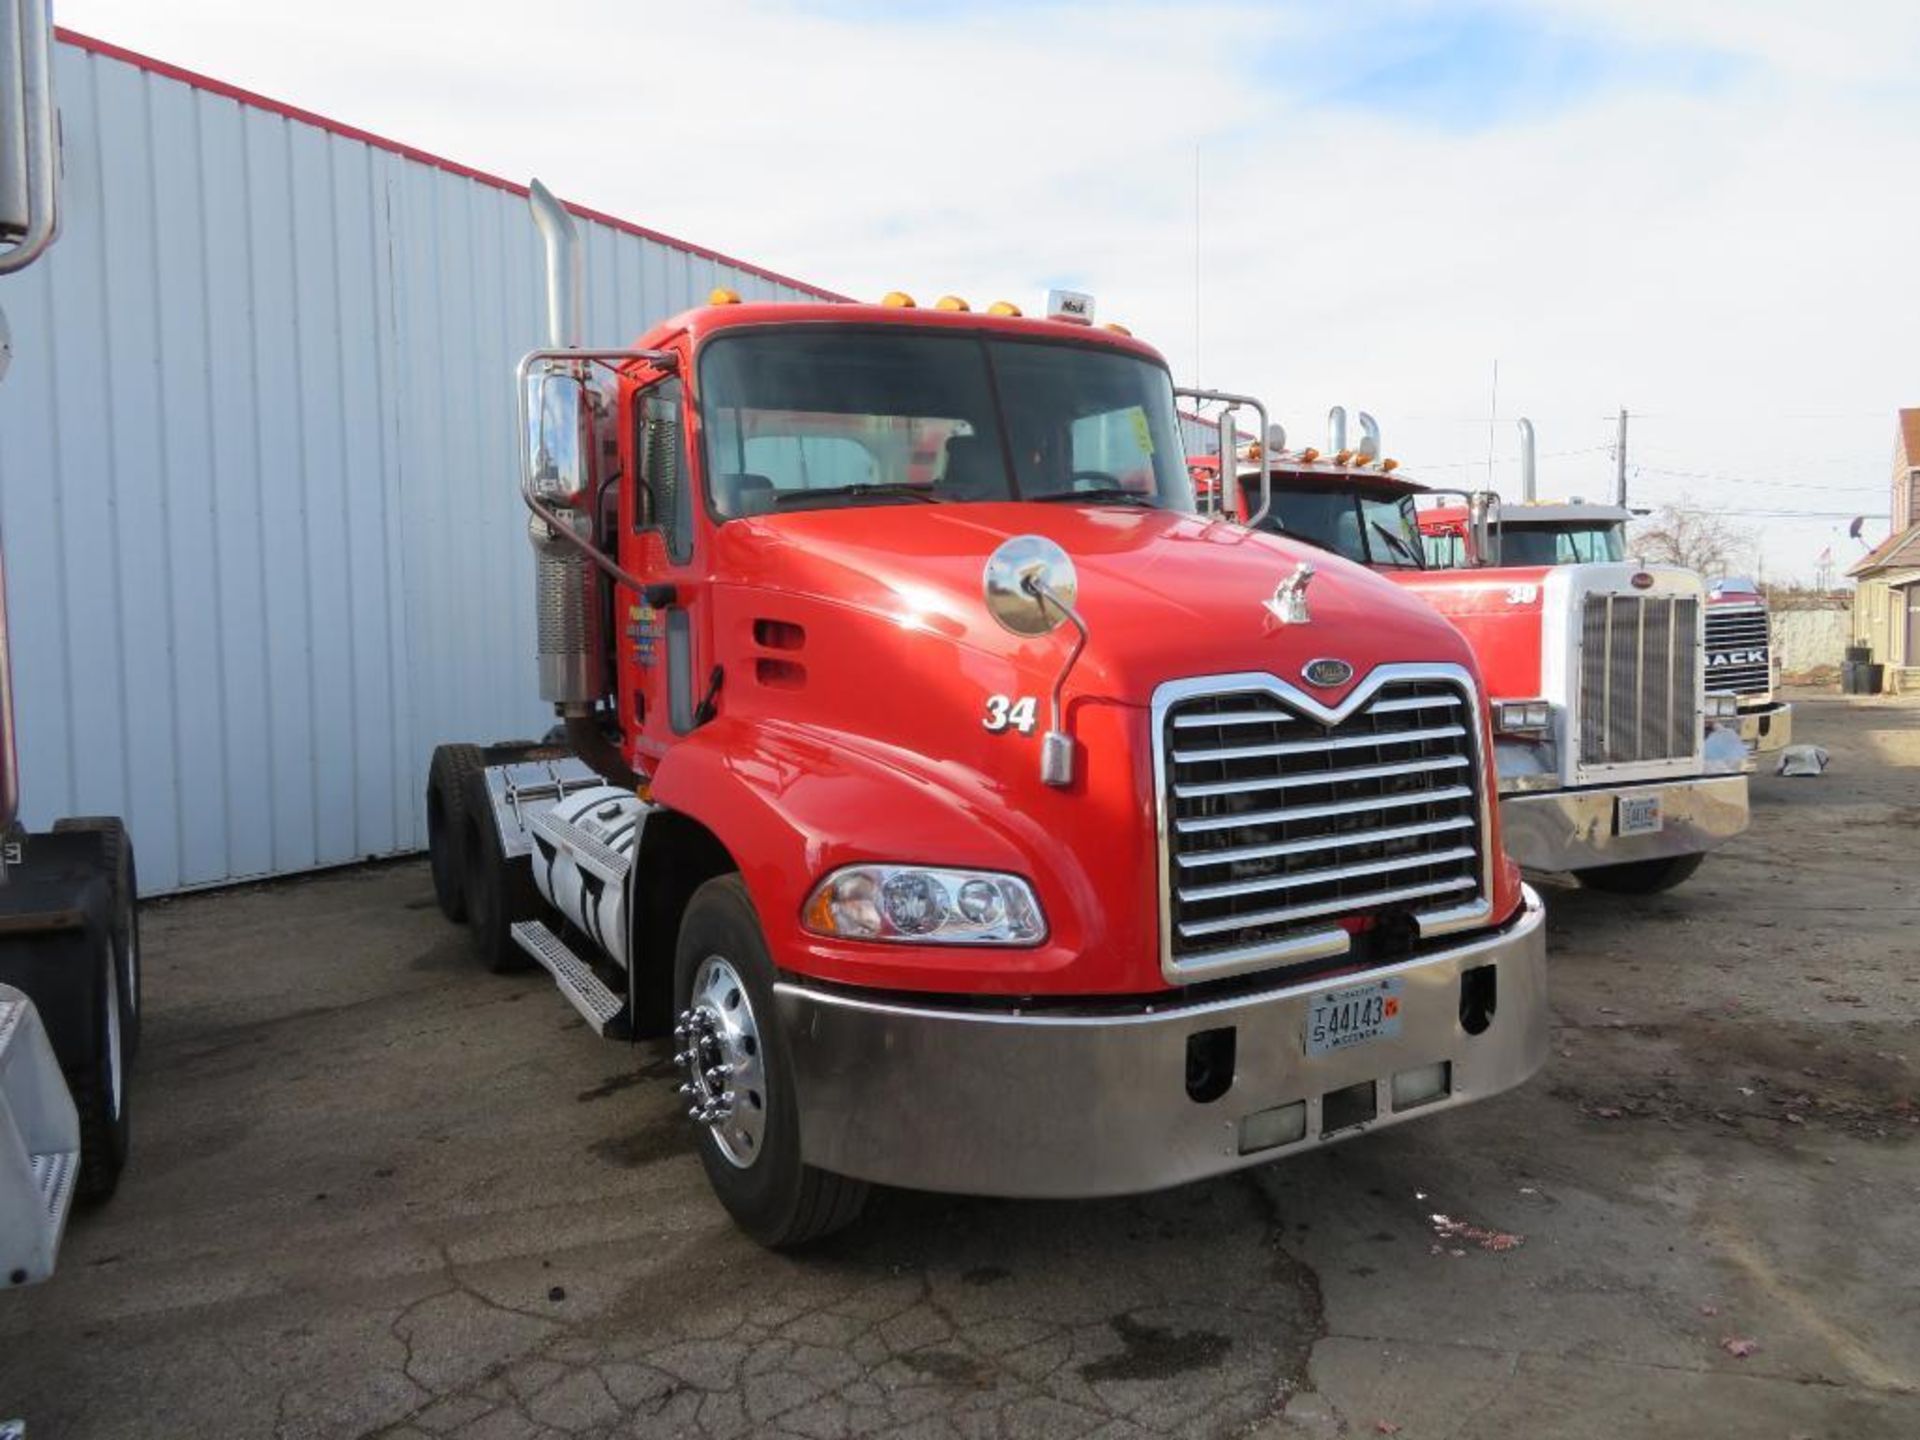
[
  {"x": 1767, "y": 729},
  {"x": 1574, "y": 829},
  {"x": 1072, "y": 1106}
]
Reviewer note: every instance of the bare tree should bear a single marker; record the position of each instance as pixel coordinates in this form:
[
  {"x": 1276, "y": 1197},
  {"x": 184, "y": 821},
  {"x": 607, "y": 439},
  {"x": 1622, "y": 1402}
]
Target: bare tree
[{"x": 1693, "y": 538}]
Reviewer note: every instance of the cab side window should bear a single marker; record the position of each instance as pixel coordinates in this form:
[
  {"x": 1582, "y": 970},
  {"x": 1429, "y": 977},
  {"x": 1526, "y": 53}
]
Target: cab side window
[{"x": 663, "y": 499}]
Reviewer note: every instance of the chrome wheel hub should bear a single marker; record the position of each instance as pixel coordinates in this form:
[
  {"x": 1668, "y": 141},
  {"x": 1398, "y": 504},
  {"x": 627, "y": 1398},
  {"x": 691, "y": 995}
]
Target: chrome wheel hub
[{"x": 720, "y": 1051}]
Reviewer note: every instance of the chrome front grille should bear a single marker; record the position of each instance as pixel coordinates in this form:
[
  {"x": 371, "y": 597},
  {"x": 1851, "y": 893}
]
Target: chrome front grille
[
  {"x": 1286, "y": 834},
  {"x": 1739, "y": 657},
  {"x": 1639, "y": 678}
]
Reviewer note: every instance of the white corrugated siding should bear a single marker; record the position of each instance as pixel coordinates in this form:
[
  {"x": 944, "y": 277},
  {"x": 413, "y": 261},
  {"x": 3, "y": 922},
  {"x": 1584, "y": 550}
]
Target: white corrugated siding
[{"x": 262, "y": 541}]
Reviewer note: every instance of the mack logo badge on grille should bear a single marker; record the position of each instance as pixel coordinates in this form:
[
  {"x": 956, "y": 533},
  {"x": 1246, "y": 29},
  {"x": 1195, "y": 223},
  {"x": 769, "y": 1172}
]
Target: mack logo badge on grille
[{"x": 1327, "y": 673}]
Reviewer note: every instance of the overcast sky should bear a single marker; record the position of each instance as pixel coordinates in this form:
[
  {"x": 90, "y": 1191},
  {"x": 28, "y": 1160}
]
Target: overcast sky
[{"x": 1707, "y": 211}]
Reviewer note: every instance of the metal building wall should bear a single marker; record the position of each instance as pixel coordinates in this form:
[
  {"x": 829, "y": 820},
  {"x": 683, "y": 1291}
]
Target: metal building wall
[{"x": 262, "y": 542}]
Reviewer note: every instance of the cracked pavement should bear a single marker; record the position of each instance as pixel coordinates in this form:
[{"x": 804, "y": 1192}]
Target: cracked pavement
[{"x": 376, "y": 1192}]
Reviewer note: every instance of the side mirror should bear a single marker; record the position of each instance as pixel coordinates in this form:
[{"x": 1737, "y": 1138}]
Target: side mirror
[
  {"x": 1027, "y": 582},
  {"x": 557, "y": 438}
]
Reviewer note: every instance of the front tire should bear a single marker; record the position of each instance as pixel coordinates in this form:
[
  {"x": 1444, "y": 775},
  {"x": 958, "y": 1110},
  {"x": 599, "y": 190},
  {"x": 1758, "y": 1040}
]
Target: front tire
[
  {"x": 1641, "y": 877},
  {"x": 751, "y": 1150}
]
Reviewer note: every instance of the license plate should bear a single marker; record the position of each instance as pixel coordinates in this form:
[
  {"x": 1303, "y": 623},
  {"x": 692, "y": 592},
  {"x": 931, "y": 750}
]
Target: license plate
[
  {"x": 1639, "y": 815},
  {"x": 1341, "y": 1019}
]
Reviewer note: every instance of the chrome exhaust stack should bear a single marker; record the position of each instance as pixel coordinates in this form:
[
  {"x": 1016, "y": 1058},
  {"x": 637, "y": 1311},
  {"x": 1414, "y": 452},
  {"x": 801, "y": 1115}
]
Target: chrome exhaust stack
[
  {"x": 1337, "y": 430},
  {"x": 1369, "y": 448},
  {"x": 567, "y": 586},
  {"x": 1526, "y": 460}
]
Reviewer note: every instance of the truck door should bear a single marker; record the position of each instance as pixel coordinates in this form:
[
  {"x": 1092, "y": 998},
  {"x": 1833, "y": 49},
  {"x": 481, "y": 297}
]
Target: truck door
[{"x": 665, "y": 663}]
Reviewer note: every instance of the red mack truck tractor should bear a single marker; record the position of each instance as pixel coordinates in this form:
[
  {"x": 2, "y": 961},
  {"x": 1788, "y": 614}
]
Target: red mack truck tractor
[
  {"x": 976, "y": 815},
  {"x": 69, "y": 924},
  {"x": 1739, "y": 653},
  {"x": 1613, "y": 763}
]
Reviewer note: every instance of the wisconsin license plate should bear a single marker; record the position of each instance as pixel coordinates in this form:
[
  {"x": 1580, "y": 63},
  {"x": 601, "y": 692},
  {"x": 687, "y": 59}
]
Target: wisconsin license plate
[
  {"x": 1341, "y": 1019},
  {"x": 1639, "y": 815}
]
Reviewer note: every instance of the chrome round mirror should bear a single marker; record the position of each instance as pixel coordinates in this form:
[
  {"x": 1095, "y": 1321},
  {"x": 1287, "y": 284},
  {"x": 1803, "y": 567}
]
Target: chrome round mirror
[{"x": 1013, "y": 596}]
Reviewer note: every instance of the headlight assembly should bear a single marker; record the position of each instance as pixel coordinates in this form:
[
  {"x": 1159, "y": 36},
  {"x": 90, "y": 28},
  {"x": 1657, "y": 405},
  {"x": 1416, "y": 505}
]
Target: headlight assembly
[{"x": 919, "y": 905}]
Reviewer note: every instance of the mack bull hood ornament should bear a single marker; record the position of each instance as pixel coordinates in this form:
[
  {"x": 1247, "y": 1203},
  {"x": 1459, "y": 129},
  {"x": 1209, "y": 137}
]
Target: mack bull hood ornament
[{"x": 1289, "y": 602}]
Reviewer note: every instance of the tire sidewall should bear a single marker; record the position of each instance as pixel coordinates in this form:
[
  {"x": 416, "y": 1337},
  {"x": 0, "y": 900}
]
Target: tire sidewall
[{"x": 761, "y": 1197}]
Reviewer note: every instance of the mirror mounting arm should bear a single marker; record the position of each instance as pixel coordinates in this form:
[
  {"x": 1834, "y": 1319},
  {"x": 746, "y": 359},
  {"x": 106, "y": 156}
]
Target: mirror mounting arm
[
  {"x": 1056, "y": 746},
  {"x": 1229, "y": 476}
]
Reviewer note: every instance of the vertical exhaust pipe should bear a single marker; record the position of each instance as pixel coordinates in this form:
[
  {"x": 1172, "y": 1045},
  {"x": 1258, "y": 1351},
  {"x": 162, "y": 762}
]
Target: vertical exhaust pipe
[
  {"x": 565, "y": 322},
  {"x": 1526, "y": 460},
  {"x": 1369, "y": 450},
  {"x": 569, "y": 599},
  {"x": 1336, "y": 429}
]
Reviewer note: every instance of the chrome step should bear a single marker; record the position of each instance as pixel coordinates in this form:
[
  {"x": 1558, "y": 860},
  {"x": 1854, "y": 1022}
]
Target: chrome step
[
  {"x": 39, "y": 1144},
  {"x": 55, "y": 1172},
  {"x": 605, "y": 1011},
  {"x": 598, "y": 860}
]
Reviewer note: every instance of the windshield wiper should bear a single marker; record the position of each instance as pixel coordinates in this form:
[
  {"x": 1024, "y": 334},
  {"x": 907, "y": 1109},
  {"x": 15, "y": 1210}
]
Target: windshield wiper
[
  {"x": 1099, "y": 495},
  {"x": 1397, "y": 543},
  {"x": 888, "y": 488}
]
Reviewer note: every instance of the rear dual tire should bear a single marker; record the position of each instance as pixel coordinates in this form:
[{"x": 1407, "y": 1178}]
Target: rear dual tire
[
  {"x": 498, "y": 891},
  {"x": 448, "y": 776},
  {"x": 116, "y": 854},
  {"x": 99, "y": 1088}
]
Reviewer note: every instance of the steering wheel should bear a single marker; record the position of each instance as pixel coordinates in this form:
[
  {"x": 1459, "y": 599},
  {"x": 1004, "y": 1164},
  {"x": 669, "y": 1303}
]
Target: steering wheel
[{"x": 1102, "y": 478}]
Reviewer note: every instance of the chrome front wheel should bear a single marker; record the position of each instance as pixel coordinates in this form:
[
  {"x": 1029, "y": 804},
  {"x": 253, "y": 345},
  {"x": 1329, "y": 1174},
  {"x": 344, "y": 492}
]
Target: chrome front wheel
[{"x": 721, "y": 1053}]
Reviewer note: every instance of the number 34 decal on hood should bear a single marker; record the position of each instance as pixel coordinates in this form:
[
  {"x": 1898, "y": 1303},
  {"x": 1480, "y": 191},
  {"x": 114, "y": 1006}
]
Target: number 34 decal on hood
[{"x": 1010, "y": 712}]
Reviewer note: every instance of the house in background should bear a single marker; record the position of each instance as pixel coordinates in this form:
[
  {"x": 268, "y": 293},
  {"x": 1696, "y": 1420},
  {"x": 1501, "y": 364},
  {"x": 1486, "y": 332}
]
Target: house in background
[{"x": 1886, "y": 609}]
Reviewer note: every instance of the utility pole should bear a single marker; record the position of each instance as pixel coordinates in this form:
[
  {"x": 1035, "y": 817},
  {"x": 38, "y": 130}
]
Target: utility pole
[{"x": 1620, "y": 462}]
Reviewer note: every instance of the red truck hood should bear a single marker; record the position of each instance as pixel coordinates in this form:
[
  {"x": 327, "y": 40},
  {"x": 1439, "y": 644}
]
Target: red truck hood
[{"x": 1164, "y": 595}]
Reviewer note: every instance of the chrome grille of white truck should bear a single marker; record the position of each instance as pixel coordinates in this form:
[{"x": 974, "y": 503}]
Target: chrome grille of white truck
[
  {"x": 1639, "y": 678},
  {"x": 1285, "y": 834},
  {"x": 1738, "y": 655}
]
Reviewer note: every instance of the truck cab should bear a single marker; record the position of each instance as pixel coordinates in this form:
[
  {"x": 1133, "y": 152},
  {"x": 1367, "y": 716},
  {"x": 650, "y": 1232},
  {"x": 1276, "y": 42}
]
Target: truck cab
[
  {"x": 1565, "y": 532},
  {"x": 1739, "y": 651},
  {"x": 1741, "y": 662},
  {"x": 1613, "y": 763},
  {"x": 974, "y": 812}
]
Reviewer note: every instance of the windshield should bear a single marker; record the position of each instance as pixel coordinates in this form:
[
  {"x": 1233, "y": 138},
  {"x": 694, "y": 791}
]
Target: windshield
[
  {"x": 809, "y": 418},
  {"x": 1369, "y": 530},
  {"x": 1560, "y": 545}
]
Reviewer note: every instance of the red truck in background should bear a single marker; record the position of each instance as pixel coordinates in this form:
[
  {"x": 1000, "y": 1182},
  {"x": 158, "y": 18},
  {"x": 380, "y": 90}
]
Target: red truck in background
[
  {"x": 1611, "y": 765},
  {"x": 976, "y": 815},
  {"x": 1739, "y": 641}
]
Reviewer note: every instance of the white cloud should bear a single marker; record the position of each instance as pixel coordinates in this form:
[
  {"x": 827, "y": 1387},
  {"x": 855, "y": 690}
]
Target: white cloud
[{"x": 1722, "y": 257}]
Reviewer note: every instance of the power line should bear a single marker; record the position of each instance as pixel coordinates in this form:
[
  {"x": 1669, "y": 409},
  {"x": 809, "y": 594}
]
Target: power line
[{"x": 1721, "y": 475}]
